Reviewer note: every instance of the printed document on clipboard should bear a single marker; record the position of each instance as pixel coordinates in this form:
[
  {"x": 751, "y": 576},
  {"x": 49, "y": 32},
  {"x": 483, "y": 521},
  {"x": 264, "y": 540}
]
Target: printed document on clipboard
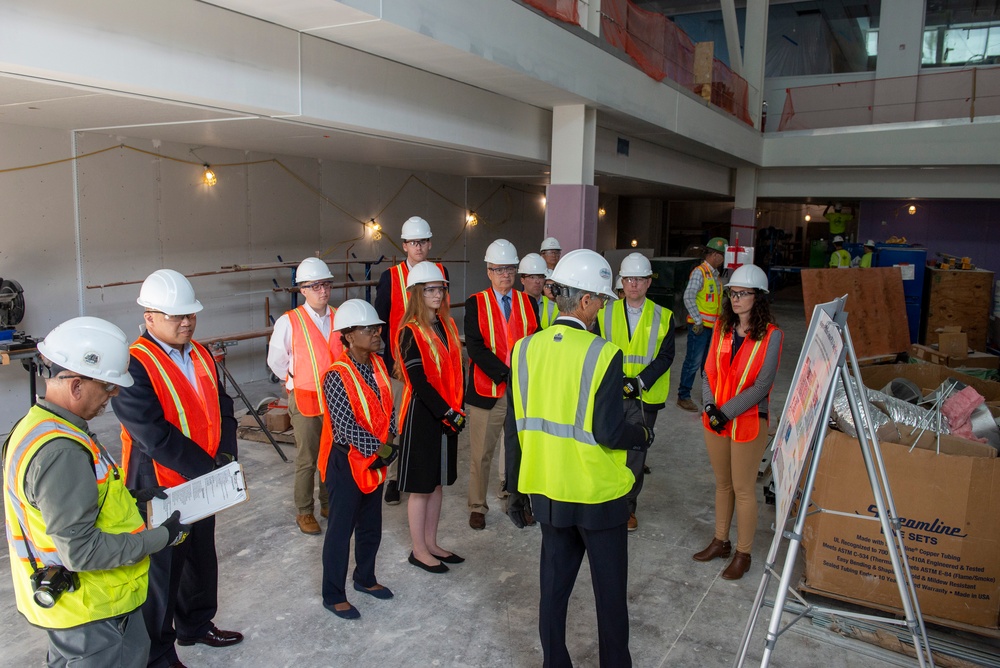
[{"x": 202, "y": 497}]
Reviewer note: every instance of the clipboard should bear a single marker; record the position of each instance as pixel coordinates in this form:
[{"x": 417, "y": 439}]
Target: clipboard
[{"x": 201, "y": 497}]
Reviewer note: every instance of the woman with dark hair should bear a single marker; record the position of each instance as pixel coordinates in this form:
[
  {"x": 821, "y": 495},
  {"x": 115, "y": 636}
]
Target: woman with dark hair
[
  {"x": 430, "y": 411},
  {"x": 737, "y": 380}
]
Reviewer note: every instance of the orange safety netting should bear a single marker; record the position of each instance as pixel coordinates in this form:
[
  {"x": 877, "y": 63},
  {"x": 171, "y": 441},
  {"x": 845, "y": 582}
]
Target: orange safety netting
[
  {"x": 730, "y": 92},
  {"x": 564, "y": 10}
]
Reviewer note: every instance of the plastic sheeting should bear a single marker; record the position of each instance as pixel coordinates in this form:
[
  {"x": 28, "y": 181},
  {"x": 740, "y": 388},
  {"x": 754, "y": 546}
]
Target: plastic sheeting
[
  {"x": 564, "y": 10},
  {"x": 883, "y": 410}
]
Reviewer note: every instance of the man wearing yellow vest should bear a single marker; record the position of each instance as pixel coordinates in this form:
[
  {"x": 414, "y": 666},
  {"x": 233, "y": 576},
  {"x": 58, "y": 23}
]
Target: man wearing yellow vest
[
  {"x": 840, "y": 258},
  {"x": 866, "y": 259},
  {"x": 703, "y": 301},
  {"x": 567, "y": 439},
  {"x": 645, "y": 332},
  {"x": 303, "y": 346},
  {"x": 532, "y": 271},
  {"x": 495, "y": 319},
  {"x": 177, "y": 424},
  {"x": 78, "y": 551}
]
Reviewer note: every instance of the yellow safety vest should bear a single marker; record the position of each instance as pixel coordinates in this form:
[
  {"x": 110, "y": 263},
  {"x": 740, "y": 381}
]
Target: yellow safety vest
[
  {"x": 709, "y": 298},
  {"x": 840, "y": 259},
  {"x": 549, "y": 312},
  {"x": 554, "y": 379},
  {"x": 102, "y": 594},
  {"x": 866, "y": 260},
  {"x": 653, "y": 326}
]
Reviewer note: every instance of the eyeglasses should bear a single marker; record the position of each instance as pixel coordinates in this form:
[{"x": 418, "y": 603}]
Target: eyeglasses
[
  {"x": 634, "y": 280},
  {"x": 176, "y": 317},
  {"x": 736, "y": 296},
  {"x": 320, "y": 286},
  {"x": 434, "y": 290},
  {"x": 108, "y": 387},
  {"x": 369, "y": 329},
  {"x": 503, "y": 271},
  {"x": 419, "y": 243}
]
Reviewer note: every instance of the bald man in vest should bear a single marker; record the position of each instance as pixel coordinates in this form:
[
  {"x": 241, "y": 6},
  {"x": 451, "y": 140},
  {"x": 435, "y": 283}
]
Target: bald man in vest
[{"x": 177, "y": 425}]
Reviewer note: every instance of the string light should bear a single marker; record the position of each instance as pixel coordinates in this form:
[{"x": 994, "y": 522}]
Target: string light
[
  {"x": 601, "y": 212},
  {"x": 472, "y": 219},
  {"x": 635, "y": 242},
  {"x": 544, "y": 200},
  {"x": 209, "y": 178},
  {"x": 808, "y": 218},
  {"x": 376, "y": 229},
  {"x": 912, "y": 210}
]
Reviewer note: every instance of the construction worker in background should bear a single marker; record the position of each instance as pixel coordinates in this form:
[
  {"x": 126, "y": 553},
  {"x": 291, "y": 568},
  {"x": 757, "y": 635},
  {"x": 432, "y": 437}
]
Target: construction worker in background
[
  {"x": 702, "y": 299},
  {"x": 645, "y": 332},
  {"x": 840, "y": 258},
  {"x": 547, "y": 287},
  {"x": 866, "y": 259},
  {"x": 495, "y": 319},
  {"x": 78, "y": 551},
  {"x": 619, "y": 288},
  {"x": 177, "y": 424},
  {"x": 390, "y": 304},
  {"x": 838, "y": 218},
  {"x": 567, "y": 440},
  {"x": 551, "y": 251},
  {"x": 532, "y": 271},
  {"x": 303, "y": 346}
]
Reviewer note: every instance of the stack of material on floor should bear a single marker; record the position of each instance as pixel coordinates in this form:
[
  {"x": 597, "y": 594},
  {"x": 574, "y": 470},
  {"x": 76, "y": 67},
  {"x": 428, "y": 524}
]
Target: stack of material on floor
[
  {"x": 952, "y": 349},
  {"x": 957, "y": 299},
  {"x": 947, "y": 495}
]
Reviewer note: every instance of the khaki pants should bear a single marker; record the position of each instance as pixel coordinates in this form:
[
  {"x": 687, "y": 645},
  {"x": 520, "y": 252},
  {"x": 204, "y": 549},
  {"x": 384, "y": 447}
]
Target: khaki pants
[
  {"x": 485, "y": 432},
  {"x": 735, "y": 466},
  {"x": 307, "y": 434}
]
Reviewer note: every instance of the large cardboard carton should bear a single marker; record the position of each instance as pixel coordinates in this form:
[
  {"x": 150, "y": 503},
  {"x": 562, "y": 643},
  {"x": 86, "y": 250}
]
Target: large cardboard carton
[
  {"x": 953, "y": 342},
  {"x": 949, "y": 507},
  {"x": 927, "y": 377}
]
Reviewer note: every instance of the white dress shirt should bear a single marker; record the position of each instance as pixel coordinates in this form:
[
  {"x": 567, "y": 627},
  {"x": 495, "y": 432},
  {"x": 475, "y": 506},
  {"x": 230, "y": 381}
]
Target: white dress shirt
[{"x": 279, "y": 350}]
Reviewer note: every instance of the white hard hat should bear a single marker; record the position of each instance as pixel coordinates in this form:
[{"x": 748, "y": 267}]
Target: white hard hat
[
  {"x": 501, "y": 252},
  {"x": 838, "y": 239},
  {"x": 550, "y": 243},
  {"x": 90, "y": 347},
  {"x": 168, "y": 291},
  {"x": 870, "y": 243},
  {"x": 618, "y": 284},
  {"x": 424, "y": 272},
  {"x": 312, "y": 269},
  {"x": 415, "y": 228},
  {"x": 749, "y": 276},
  {"x": 548, "y": 274},
  {"x": 532, "y": 263},
  {"x": 635, "y": 264},
  {"x": 585, "y": 270},
  {"x": 355, "y": 313}
]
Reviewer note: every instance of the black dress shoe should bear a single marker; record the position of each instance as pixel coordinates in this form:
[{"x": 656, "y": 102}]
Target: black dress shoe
[
  {"x": 440, "y": 568},
  {"x": 215, "y": 637},
  {"x": 451, "y": 559}
]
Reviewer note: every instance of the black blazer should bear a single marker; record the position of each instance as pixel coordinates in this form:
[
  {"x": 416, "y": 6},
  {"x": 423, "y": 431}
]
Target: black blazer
[{"x": 481, "y": 356}]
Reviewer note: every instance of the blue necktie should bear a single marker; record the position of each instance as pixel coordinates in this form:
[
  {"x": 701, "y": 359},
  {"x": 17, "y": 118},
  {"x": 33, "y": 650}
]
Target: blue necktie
[{"x": 506, "y": 307}]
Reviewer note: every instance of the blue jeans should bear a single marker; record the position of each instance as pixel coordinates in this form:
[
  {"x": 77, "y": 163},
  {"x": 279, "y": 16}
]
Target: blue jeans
[{"x": 694, "y": 360}]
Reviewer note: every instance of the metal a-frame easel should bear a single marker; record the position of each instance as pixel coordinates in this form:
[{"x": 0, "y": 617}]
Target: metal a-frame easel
[{"x": 827, "y": 357}]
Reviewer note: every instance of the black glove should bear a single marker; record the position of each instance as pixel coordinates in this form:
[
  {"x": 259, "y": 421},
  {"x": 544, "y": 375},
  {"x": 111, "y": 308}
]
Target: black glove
[
  {"x": 453, "y": 421},
  {"x": 223, "y": 459},
  {"x": 517, "y": 504},
  {"x": 648, "y": 433},
  {"x": 630, "y": 388},
  {"x": 177, "y": 531},
  {"x": 144, "y": 496},
  {"x": 717, "y": 420},
  {"x": 697, "y": 329},
  {"x": 386, "y": 455}
]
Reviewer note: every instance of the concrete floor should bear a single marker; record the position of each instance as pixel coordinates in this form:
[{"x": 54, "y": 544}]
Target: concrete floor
[{"x": 485, "y": 612}]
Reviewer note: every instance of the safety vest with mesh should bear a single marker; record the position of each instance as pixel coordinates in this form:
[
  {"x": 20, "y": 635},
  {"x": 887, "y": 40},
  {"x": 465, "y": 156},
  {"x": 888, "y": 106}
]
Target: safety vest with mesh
[
  {"x": 311, "y": 355},
  {"x": 373, "y": 413},
  {"x": 442, "y": 366},
  {"x": 194, "y": 411},
  {"x": 709, "y": 298},
  {"x": 102, "y": 594},
  {"x": 500, "y": 336},
  {"x": 653, "y": 326},
  {"x": 840, "y": 259},
  {"x": 727, "y": 377},
  {"x": 549, "y": 312},
  {"x": 399, "y": 298},
  {"x": 554, "y": 381}
]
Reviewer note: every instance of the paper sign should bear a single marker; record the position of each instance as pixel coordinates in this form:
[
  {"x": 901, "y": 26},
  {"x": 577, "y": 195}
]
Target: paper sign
[
  {"x": 909, "y": 271},
  {"x": 202, "y": 497}
]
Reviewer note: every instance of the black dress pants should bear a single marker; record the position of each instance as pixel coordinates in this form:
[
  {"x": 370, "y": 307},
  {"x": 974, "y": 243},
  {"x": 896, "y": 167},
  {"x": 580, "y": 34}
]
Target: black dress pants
[{"x": 562, "y": 554}]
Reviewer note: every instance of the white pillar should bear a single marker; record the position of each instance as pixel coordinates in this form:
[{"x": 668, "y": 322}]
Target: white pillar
[
  {"x": 900, "y": 43},
  {"x": 744, "y": 218},
  {"x": 754, "y": 51},
  {"x": 571, "y": 199},
  {"x": 732, "y": 36}
]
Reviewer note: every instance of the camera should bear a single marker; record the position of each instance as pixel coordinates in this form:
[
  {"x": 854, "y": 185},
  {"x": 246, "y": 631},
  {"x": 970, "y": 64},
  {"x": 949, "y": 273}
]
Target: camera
[{"x": 50, "y": 583}]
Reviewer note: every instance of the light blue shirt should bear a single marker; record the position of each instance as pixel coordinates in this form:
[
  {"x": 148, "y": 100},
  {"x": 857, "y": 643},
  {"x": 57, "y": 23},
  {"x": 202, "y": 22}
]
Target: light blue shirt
[{"x": 182, "y": 358}]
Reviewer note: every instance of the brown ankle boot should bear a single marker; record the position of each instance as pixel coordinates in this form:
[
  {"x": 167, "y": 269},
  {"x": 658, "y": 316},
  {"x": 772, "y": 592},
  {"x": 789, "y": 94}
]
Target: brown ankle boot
[
  {"x": 716, "y": 549},
  {"x": 737, "y": 567}
]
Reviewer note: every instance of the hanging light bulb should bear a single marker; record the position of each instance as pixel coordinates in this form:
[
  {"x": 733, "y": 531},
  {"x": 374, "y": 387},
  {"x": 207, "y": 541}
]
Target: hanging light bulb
[
  {"x": 376, "y": 229},
  {"x": 601, "y": 212},
  {"x": 808, "y": 218},
  {"x": 635, "y": 242},
  {"x": 209, "y": 178},
  {"x": 544, "y": 200},
  {"x": 912, "y": 210},
  {"x": 472, "y": 219}
]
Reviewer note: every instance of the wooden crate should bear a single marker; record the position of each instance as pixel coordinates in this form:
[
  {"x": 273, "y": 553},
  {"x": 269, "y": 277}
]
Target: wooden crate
[{"x": 957, "y": 297}]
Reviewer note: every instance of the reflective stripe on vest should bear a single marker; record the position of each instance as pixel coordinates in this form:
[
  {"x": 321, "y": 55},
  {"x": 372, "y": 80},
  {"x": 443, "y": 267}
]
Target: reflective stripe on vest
[
  {"x": 442, "y": 367},
  {"x": 727, "y": 377},
  {"x": 195, "y": 412},
  {"x": 555, "y": 377},
  {"x": 709, "y": 297},
  {"x": 500, "y": 340},
  {"x": 103, "y": 593},
  {"x": 640, "y": 351},
  {"x": 311, "y": 354},
  {"x": 549, "y": 312}
]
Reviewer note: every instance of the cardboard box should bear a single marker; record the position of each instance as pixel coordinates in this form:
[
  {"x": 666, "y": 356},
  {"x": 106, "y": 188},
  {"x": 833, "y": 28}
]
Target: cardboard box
[
  {"x": 972, "y": 360},
  {"x": 277, "y": 420},
  {"x": 953, "y": 342},
  {"x": 927, "y": 377},
  {"x": 949, "y": 507}
]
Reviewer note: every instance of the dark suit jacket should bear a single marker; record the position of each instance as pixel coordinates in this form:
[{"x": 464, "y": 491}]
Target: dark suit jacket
[{"x": 481, "y": 356}]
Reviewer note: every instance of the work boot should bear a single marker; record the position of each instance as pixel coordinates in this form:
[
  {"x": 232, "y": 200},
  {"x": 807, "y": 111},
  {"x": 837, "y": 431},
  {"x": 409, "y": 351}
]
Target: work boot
[
  {"x": 688, "y": 405},
  {"x": 392, "y": 493},
  {"x": 633, "y": 523},
  {"x": 716, "y": 549},
  {"x": 308, "y": 524},
  {"x": 737, "y": 567}
]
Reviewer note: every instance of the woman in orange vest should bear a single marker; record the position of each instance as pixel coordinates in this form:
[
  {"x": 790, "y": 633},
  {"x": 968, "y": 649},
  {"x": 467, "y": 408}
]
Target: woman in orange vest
[
  {"x": 738, "y": 376},
  {"x": 355, "y": 449},
  {"x": 431, "y": 411}
]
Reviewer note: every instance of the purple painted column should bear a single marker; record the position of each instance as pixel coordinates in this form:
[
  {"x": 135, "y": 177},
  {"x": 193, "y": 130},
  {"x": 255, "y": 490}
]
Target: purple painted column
[{"x": 571, "y": 215}]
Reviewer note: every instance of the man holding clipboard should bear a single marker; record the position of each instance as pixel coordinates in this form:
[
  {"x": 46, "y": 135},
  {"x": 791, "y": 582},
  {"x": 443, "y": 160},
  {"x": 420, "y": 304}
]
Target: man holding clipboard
[{"x": 177, "y": 424}]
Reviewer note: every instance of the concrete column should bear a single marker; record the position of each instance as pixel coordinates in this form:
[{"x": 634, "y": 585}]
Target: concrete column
[
  {"x": 900, "y": 42},
  {"x": 571, "y": 199},
  {"x": 754, "y": 50},
  {"x": 732, "y": 36},
  {"x": 744, "y": 217},
  {"x": 590, "y": 15}
]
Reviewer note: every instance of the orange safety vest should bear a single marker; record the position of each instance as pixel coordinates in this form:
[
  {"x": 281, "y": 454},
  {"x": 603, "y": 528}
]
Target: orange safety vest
[
  {"x": 194, "y": 411},
  {"x": 442, "y": 366},
  {"x": 399, "y": 298},
  {"x": 373, "y": 413},
  {"x": 500, "y": 340},
  {"x": 310, "y": 354},
  {"x": 727, "y": 377}
]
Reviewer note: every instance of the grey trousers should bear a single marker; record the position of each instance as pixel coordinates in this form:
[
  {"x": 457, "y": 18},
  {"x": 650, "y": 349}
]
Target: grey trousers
[{"x": 119, "y": 641}]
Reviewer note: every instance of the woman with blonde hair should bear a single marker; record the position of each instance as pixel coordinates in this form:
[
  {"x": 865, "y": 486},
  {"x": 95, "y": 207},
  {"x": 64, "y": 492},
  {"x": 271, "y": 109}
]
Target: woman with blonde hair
[{"x": 431, "y": 414}]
